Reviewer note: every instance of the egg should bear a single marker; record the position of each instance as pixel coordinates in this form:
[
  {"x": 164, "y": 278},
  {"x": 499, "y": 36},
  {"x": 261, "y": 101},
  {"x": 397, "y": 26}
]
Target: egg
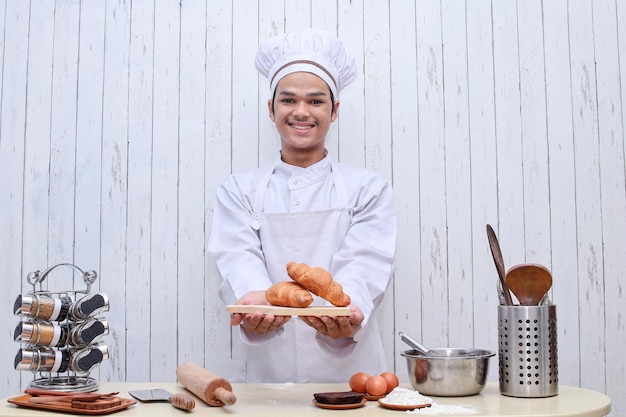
[
  {"x": 376, "y": 385},
  {"x": 391, "y": 379},
  {"x": 358, "y": 381}
]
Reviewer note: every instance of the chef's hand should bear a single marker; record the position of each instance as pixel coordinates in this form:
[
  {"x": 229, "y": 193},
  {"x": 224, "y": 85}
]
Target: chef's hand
[
  {"x": 257, "y": 322},
  {"x": 336, "y": 327}
]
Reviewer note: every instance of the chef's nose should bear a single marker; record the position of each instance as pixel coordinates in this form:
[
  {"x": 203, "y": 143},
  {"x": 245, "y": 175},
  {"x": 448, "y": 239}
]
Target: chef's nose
[{"x": 301, "y": 109}]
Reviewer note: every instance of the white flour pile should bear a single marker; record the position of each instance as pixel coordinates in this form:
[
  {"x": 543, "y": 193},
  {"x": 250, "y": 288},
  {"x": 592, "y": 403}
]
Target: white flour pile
[{"x": 403, "y": 396}]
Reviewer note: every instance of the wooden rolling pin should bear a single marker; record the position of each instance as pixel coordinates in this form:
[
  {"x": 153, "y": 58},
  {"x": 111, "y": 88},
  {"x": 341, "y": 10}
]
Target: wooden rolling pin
[{"x": 209, "y": 387}]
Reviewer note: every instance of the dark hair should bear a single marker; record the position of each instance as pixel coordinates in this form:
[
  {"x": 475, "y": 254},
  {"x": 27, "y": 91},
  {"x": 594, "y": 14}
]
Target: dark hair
[{"x": 332, "y": 101}]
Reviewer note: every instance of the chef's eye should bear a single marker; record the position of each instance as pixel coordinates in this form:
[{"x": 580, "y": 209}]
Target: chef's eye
[{"x": 287, "y": 100}]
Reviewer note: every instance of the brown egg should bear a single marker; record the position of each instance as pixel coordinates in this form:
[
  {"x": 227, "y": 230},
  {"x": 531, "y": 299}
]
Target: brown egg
[
  {"x": 358, "y": 381},
  {"x": 376, "y": 385},
  {"x": 391, "y": 379}
]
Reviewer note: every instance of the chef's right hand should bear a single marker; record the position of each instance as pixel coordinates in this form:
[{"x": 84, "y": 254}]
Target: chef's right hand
[{"x": 257, "y": 322}]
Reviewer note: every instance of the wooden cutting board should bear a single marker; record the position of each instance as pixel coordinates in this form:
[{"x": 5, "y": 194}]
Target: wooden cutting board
[{"x": 291, "y": 311}]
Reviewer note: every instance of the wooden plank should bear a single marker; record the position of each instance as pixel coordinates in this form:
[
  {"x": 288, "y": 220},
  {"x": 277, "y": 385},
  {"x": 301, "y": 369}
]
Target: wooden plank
[
  {"x": 89, "y": 136},
  {"x": 88, "y": 166},
  {"x": 562, "y": 188},
  {"x": 378, "y": 147},
  {"x": 191, "y": 283},
  {"x": 405, "y": 288},
  {"x": 432, "y": 181},
  {"x": 36, "y": 140},
  {"x": 535, "y": 177},
  {"x": 484, "y": 181},
  {"x": 245, "y": 138},
  {"x": 13, "y": 115},
  {"x": 140, "y": 149},
  {"x": 350, "y": 122},
  {"x": 113, "y": 179},
  {"x": 63, "y": 138},
  {"x": 164, "y": 210},
  {"x": 508, "y": 162},
  {"x": 590, "y": 272},
  {"x": 290, "y": 311},
  {"x": 458, "y": 196},
  {"x": 218, "y": 75},
  {"x": 612, "y": 191}
]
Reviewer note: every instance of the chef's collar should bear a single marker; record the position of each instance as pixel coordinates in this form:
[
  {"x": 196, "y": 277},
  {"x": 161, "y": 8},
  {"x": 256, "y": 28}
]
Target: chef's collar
[{"x": 309, "y": 174}]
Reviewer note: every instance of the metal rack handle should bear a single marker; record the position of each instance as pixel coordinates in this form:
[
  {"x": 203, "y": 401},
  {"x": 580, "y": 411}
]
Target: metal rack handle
[{"x": 37, "y": 277}]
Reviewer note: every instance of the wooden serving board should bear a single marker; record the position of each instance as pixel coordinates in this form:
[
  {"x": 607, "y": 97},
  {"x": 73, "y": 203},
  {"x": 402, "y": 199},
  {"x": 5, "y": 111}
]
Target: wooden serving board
[
  {"x": 291, "y": 311},
  {"x": 66, "y": 407}
]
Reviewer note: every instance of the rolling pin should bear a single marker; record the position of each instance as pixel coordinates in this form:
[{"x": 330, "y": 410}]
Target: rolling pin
[{"x": 209, "y": 387}]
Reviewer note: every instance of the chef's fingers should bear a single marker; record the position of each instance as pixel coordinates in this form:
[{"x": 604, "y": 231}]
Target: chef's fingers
[
  {"x": 236, "y": 319},
  {"x": 345, "y": 326}
]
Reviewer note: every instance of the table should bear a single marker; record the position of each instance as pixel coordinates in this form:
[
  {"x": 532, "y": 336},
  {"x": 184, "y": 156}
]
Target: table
[{"x": 288, "y": 400}]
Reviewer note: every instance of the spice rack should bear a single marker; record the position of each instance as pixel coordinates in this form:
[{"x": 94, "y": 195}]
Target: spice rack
[{"x": 60, "y": 333}]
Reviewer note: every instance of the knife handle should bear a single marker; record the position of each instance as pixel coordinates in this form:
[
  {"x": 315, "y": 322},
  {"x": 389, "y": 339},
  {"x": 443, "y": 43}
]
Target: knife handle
[{"x": 182, "y": 402}]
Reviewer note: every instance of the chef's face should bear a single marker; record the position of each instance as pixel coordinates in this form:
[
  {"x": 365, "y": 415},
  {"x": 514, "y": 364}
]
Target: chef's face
[{"x": 302, "y": 110}]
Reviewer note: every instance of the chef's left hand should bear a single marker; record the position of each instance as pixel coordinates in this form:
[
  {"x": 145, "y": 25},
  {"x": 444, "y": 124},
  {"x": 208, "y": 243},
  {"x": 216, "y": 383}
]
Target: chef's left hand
[{"x": 336, "y": 327}]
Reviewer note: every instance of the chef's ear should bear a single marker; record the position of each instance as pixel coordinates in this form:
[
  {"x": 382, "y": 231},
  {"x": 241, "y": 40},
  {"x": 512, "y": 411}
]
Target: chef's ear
[
  {"x": 335, "y": 111},
  {"x": 270, "y": 108}
]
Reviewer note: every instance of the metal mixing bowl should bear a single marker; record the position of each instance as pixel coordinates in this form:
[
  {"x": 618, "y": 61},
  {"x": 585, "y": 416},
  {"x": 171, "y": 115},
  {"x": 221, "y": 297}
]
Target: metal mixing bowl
[{"x": 448, "y": 372}]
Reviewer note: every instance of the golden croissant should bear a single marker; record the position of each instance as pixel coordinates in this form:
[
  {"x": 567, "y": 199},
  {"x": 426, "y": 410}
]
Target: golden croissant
[
  {"x": 288, "y": 294},
  {"x": 320, "y": 282}
]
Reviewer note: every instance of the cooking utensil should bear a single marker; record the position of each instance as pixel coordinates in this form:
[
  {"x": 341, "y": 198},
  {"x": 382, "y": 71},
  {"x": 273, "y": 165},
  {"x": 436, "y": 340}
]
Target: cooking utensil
[
  {"x": 211, "y": 388},
  {"x": 496, "y": 253},
  {"x": 421, "y": 349},
  {"x": 529, "y": 282},
  {"x": 449, "y": 372},
  {"x": 413, "y": 343},
  {"x": 180, "y": 401}
]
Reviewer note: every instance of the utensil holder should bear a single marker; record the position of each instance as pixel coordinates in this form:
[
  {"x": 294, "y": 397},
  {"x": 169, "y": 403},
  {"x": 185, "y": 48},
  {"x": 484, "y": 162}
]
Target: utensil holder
[{"x": 527, "y": 351}]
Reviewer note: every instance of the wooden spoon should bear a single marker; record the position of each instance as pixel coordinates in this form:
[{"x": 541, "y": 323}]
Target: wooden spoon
[
  {"x": 496, "y": 253},
  {"x": 529, "y": 283}
]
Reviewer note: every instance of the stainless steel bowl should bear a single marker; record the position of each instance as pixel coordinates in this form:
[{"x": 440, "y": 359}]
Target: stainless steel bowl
[{"x": 448, "y": 372}]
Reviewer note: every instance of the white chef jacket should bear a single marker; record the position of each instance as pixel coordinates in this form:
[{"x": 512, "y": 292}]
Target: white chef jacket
[{"x": 363, "y": 264}]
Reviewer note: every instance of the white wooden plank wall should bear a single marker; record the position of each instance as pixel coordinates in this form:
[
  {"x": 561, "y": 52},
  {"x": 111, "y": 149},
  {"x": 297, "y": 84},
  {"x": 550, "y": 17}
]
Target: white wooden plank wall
[{"x": 119, "y": 119}]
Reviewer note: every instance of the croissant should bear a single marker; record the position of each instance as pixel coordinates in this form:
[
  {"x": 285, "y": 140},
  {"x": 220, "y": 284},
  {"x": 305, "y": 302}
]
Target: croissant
[
  {"x": 319, "y": 281},
  {"x": 288, "y": 294}
]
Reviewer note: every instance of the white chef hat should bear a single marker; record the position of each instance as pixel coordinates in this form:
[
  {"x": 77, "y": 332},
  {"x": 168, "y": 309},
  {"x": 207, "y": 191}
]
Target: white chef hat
[{"x": 314, "y": 51}]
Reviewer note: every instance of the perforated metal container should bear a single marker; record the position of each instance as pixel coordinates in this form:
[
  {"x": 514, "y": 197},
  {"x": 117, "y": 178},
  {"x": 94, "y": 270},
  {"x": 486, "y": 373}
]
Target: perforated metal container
[{"x": 527, "y": 351}]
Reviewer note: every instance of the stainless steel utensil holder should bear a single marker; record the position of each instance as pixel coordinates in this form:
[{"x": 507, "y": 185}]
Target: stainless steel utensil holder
[{"x": 527, "y": 351}]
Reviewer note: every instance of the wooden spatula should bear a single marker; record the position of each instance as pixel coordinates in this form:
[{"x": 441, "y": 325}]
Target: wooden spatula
[{"x": 529, "y": 283}]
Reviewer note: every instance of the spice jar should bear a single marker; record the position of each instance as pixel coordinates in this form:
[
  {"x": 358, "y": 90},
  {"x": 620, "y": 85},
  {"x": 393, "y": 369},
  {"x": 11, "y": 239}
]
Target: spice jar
[
  {"x": 89, "y": 306},
  {"x": 42, "y": 307},
  {"x": 42, "y": 334},
  {"x": 84, "y": 360},
  {"x": 89, "y": 331},
  {"x": 42, "y": 359}
]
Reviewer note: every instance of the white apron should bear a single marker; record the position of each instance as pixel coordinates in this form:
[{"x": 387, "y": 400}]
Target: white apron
[{"x": 312, "y": 238}]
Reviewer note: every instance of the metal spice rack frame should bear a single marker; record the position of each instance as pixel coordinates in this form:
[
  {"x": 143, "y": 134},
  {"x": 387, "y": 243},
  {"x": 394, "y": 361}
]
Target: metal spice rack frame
[{"x": 70, "y": 380}]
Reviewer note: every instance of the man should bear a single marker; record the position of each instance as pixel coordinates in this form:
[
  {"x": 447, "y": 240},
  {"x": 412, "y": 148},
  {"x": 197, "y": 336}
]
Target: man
[{"x": 309, "y": 209}]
